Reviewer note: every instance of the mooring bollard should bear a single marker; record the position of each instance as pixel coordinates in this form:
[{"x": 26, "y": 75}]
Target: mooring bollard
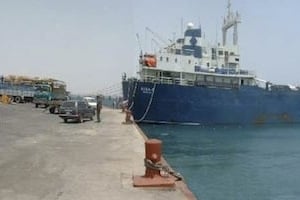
[
  {"x": 127, "y": 117},
  {"x": 152, "y": 177},
  {"x": 153, "y": 155}
]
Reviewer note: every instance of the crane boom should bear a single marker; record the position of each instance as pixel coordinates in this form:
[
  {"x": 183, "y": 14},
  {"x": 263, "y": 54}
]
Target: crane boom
[
  {"x": 231, "y": 20},
  {"x": 157, "y": 36}
]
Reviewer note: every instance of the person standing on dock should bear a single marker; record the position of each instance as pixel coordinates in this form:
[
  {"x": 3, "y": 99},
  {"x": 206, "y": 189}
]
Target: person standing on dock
[
  {"x": 99, "y": 107},
  {"x": 114, "y": 104}
]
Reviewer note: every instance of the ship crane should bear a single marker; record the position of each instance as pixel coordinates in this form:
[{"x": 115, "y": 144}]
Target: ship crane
[
  {"x": 231, "y": 20},
  {"x": 157, "y": 36},
  {"x": 139, "y": 42},
  {"x": 154, "y": 42}
]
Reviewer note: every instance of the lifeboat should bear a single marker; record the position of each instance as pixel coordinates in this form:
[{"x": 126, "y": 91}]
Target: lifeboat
[{"x": 149, "y": 60}]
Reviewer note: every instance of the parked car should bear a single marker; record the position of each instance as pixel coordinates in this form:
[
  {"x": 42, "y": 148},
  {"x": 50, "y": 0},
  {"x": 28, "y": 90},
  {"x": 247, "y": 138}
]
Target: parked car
[
  {"x": 77, "y": 110},
  {"x": 91, "y": 101}
]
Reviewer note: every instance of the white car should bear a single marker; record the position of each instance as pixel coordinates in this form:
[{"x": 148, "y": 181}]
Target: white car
[{"x": 91, "y": 101}]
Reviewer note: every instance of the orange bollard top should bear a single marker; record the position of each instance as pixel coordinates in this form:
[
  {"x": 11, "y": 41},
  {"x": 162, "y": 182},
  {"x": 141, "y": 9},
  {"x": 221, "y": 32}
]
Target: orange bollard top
[
  {"x": 153, "y": 150},
  {"x": 153, "y": 141}
]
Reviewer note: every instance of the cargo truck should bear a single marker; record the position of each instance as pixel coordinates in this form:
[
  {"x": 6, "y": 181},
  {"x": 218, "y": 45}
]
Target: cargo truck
[
  {"x": 50, "y": 94},
  {"x": 17, "y": 92}
]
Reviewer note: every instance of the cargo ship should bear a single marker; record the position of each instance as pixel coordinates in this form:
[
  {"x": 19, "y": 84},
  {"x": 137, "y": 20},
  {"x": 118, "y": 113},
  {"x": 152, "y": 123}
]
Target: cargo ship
[{"x": 191, "y": 81}]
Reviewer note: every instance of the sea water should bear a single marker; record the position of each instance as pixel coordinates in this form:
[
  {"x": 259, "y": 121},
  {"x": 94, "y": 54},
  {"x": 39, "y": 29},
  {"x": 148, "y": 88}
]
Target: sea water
[{"x": 234, "y": 162}]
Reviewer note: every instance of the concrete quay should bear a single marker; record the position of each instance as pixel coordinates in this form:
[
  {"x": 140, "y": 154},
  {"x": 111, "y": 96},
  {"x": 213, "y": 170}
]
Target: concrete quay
[{"x": 43, "y": 158}]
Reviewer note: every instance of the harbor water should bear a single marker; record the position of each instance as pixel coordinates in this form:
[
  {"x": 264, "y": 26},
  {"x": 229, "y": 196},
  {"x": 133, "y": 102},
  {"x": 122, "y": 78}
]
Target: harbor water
[{"x": 234, "y": 162}]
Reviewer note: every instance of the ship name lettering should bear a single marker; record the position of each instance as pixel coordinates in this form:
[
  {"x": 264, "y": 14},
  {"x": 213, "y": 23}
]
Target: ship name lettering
[{"x": 146, "y": 90}]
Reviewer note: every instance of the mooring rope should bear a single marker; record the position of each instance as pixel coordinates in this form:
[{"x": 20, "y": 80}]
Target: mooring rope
[
  {"x": 133, "y": 95},
  {"x": 148, "y": 107},
  {"x": 160, "y": 167}
]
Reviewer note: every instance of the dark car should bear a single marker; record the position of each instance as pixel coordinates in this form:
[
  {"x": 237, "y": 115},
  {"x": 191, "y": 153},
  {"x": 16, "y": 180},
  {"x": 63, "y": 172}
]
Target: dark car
[{"x": 76, "y": 110}]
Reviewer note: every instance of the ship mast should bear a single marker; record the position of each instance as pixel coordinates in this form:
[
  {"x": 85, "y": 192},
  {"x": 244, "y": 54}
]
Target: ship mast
[{"x": 231, "y": 20}]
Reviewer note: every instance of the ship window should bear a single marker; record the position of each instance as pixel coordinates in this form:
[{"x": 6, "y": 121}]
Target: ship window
[
  {"x": 189, "y": 61},
  {"x": 167, "y": 74},
  {"x": 161, "y": 58},
  {"x": 220, "y": 53},
  {"x": 213, "y": 54},
  {"x": 231, "y": 53},
  {"x": 167, "y": 59},
  {"x": 176, "y": 60},
  {"x": 226, "y": 56},
  {"x": 242, "y": 82},
  {"x": 219, "y": 80},
  {"x": 209, "y": 79}
]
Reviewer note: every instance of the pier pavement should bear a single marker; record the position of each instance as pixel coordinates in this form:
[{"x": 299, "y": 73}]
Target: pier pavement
[{"x": 43, "y": 158}]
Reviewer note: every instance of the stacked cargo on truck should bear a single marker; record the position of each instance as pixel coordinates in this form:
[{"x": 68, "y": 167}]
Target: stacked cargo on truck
[
  {"x": 17, "y": 89},
  {"x": 50, "y": 94}
]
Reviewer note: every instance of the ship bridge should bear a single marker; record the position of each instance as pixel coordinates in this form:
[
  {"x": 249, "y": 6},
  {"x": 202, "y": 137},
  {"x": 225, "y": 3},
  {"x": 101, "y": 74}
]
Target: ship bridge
[{"x": 192, "y": 42}]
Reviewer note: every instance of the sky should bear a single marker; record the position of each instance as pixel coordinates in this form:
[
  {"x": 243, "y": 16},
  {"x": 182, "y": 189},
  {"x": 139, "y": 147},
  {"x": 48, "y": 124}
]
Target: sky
[{"x": 89, "y": 44}]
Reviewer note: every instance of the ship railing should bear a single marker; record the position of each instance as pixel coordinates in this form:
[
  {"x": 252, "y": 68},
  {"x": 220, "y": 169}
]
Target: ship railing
[
  {"x": 216, "y": 84},
  {"x": 164, "y": 80},
  {"x": 225, "y": 71},
  {"x": 188, "y": 82},
  {"x": 261, "y": 83},
  {"x": 246, "y": 72}
]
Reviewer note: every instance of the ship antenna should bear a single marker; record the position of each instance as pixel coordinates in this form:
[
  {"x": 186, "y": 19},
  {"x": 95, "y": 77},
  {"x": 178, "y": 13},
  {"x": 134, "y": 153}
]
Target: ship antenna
[
  {"x": 139, "y": 42},
  {"x": 181, "y": 27},
  {"x": 217, "y": 46},
  {"x": 228, "y": 7}
]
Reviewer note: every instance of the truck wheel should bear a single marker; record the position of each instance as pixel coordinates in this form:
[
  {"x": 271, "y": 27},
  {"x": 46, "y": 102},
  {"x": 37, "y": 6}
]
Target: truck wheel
[
  {"x": 52, "y": 110},
  {"x": 17, "y": 99},
  {"x": 65, "y": 120},
  {"x": 36, "y": 105},
  {"x": 80, "y": 119}
]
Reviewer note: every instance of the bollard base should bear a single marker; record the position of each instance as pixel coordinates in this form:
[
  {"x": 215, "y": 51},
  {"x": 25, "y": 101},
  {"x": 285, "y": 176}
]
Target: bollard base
[
  {"x": 156, "y": 181},
  {"x": 128, "y": 122},
  {"x": 128, "y": 117}
]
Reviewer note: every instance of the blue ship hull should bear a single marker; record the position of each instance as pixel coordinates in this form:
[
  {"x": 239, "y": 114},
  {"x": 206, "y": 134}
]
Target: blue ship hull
[
  {"x": 125, "y": 88},
  {"x": 165, "y": 103}
]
